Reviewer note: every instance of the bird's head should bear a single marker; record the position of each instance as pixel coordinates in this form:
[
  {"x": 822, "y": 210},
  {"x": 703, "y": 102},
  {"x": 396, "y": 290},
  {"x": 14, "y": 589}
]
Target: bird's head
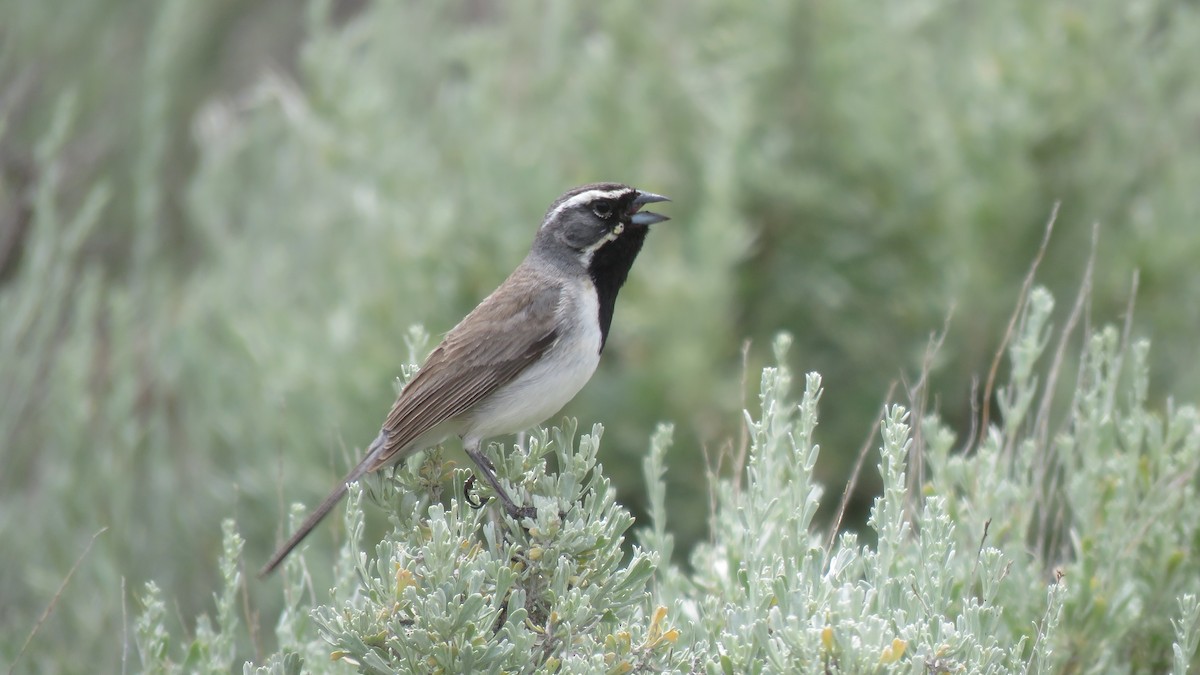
[
  {"x": 597, "y": 230},
  {"x": 590, "y": 218}
]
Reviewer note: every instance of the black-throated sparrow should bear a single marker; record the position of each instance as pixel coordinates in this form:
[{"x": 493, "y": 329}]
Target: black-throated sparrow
[{"x": 525, "y": 351}]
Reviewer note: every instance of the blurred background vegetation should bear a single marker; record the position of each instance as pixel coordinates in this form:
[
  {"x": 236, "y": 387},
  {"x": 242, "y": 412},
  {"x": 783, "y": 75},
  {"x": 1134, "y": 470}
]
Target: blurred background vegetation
[{"x": 219, "y": 220}]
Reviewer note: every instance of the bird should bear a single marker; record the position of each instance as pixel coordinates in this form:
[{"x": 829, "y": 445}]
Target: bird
[{"x": 525, "y": 351}]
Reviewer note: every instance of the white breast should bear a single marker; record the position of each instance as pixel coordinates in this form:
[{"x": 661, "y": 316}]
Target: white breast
[{"x": 546, "y": 386}]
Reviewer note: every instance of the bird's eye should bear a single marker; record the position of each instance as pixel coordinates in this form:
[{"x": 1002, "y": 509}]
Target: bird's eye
[{"x": 603, "y": 209}]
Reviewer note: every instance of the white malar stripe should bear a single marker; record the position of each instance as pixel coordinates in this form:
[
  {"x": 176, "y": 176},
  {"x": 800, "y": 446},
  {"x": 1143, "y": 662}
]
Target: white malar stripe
[
  {"x": 583, "y": 198},
  {"x": 613, "y": 234}
]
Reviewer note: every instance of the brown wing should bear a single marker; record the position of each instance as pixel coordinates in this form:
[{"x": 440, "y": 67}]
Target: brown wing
[{"x": 501, "y": 337}]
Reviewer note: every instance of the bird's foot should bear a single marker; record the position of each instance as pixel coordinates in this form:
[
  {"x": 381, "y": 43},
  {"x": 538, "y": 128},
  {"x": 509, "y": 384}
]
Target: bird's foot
[
  {"x": 469, "y": 495},
  {"x": 519, "y": 513}
]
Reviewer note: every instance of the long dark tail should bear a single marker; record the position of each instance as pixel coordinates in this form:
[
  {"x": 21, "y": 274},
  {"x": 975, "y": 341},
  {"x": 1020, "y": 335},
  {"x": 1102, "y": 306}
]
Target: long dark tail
[{"x": 323, "y": 510}]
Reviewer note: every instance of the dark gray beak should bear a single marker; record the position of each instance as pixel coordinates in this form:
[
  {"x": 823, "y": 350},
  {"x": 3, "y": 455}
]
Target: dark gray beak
[{"x": 644, "y": 218}]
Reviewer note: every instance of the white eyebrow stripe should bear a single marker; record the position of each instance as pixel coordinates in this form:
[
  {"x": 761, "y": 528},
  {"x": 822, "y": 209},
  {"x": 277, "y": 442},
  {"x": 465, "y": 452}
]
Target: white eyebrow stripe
[{"x": 584, "y": 197}]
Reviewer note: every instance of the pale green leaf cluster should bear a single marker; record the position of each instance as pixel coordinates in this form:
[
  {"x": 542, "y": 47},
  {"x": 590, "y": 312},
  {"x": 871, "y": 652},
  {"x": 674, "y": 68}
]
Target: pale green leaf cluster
[{"x": 1013, "y": 556}]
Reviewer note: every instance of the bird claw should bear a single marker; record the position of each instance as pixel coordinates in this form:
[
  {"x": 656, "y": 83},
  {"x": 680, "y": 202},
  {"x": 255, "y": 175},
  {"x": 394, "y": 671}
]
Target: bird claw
[
  {"x": 520, "y": 513},
  {"x": 472, "y": 500},
  {"x": 515, "y": 512}
]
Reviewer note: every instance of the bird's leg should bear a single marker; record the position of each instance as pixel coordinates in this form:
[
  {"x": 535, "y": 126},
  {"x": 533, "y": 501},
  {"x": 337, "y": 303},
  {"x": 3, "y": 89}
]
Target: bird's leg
[
  {"x": 488, "y": 470},
  {"x": 472, "y": 500}
]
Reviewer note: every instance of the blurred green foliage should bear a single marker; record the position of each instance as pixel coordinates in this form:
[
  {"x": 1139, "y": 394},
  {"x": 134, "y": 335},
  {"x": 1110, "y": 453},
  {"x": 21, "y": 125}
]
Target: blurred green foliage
[{"x": 218, "y": 221}]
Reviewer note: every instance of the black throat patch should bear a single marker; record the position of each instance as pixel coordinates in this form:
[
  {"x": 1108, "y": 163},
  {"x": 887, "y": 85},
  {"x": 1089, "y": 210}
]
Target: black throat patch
[{"x": 609, "y": 269}]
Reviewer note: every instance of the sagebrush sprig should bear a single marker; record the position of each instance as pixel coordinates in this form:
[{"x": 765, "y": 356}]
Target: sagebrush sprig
[
  {"x": 469, "y": 590},
  {"x": 955, "y": 584}
]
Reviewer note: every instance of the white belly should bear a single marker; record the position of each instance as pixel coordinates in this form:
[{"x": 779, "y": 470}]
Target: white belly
[{"x": 549, "y": 384}]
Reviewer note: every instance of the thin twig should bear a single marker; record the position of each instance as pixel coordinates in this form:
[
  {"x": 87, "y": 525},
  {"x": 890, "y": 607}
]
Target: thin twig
[
  {"x": 1081, "y": 372},
  {"x": 989, "y": 386},
  {"x": 918, "y": 397},
  {"x": 54, "y": 601},
  {"x": 1042, "y": 420},
  {"x": 1041, "y": 424},
  {"x": 1050, "y": 533},
  {"x": 1041, "y": 625},
  {"x": 853, "y": 480},
  {"x": 743, "y": 446},
  {"x": 917, "y": 594},
  {"x": 987, "y": 524},
  {"x": 713, "y": 476},
  {"x": 1133, "y": 291},
  {"x": 1127, "y": 327}
]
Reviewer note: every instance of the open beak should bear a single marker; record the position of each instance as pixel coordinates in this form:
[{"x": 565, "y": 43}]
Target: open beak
[{"x": 644, "y": 218}]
